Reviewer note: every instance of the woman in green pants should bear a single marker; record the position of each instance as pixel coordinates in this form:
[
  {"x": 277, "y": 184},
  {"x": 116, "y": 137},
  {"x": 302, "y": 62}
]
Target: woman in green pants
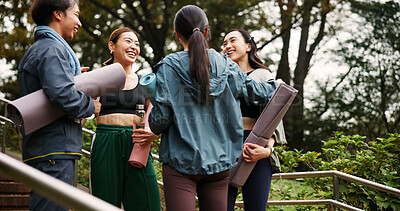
[{"x": 113, "y": 179}]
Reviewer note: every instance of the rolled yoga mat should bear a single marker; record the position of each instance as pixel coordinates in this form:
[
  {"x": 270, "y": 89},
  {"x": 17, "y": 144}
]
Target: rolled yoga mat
[
  {"x": 148, "y": 83},
  {"x": 263, "y": 130},
  {"x": 35, "y": 110},
  {"x": 139, "y": 154}
]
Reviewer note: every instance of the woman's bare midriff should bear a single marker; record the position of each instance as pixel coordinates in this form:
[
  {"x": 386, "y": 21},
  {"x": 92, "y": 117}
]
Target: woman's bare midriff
[
  {"x": 248, "y": 123},
  {"x": 118, "y": 119}
]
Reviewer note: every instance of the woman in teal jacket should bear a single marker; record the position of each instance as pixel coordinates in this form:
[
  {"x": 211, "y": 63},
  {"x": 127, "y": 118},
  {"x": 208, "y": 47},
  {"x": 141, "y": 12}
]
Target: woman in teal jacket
[{"x": 197, "y": 111}]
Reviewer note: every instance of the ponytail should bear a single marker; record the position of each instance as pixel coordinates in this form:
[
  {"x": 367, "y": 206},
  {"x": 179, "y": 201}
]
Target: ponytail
[
  {"x": 191, "y": 22},
  {"x": 199, "y": 63}
]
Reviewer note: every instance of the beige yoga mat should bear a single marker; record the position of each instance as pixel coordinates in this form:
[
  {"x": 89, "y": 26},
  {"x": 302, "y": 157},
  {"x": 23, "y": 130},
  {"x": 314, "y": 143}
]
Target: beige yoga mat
[
  {"x": 263, "y": 130},
  {"x": 35, "y": 110}
]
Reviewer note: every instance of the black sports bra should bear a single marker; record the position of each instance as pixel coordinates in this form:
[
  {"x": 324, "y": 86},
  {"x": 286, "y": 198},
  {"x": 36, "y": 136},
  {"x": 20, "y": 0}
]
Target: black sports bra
[
  {"x": 123, "y": 101},
  {"x": 250, "y": 109}
]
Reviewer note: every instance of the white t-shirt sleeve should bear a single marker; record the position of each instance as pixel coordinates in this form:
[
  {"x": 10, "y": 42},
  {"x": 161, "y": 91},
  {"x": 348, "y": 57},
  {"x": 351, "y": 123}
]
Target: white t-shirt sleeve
[{"x": 261, "y": 75}]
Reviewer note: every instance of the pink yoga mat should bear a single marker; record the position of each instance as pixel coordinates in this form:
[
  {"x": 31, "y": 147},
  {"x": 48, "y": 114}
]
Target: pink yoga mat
[
  {"x": 139, "y": 153},
  {"x": 263, "y": 130},
  {"x": 35, "y": 110}
]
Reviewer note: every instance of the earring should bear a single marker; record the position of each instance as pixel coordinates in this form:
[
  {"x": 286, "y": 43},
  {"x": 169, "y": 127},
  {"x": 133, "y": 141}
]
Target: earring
[{"x": 111, "y": 52}]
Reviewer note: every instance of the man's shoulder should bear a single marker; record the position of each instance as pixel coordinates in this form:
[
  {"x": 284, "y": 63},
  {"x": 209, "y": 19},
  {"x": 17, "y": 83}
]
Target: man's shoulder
[
  {"x": 47, "y": 43},
  {"x": 45, "y": 47},
  {"x": 41, "y": 50}
]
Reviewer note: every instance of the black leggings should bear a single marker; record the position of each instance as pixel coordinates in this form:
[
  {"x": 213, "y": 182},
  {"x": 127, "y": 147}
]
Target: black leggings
[
  {"x": 256, "y": 189},
  {"x": 180, "y": 190}
]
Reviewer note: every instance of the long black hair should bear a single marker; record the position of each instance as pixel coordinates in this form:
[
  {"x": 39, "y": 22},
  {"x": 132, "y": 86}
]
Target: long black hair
[
  {"x": 191, "y": 22},
  {"x": 254, "y": 60}
]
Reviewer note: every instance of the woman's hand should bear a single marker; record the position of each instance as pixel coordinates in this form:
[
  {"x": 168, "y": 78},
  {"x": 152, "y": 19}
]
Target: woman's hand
[
  {"x": 280, "y": 81},
  {"x": 84, "y": 69},
  {"x": 254, "y": 152},
  {"x": 97, "y": 107},
  {"x": 143, "y": 136}
]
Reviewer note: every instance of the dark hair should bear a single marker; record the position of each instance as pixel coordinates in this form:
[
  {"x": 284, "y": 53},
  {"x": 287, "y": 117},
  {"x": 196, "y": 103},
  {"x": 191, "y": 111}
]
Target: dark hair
[
  {"x": 114, "y": 38},
  {"x": 191, "y": 22},
  {"x": 42, "y": 10},
  {"x": 254, "y": 60}
]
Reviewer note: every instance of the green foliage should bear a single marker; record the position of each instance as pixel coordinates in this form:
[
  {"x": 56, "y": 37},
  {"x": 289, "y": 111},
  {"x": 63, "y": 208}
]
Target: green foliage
[
  {"x": 83, "y": 171},
  {"x": 13, "y": 138},
  {"x": 365, "y": 100},
  {"x": 15, "y": 37},
  {"x": 152, "y": 20},
  {"x": 87, "y": 138},
  {"x": 375, "y": 160}
]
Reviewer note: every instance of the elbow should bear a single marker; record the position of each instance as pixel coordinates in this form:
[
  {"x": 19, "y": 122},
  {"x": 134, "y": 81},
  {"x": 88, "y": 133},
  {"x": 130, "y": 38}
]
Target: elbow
[
  {"x": 155, "y": 128},
  {"x": 159, "y": 125}
]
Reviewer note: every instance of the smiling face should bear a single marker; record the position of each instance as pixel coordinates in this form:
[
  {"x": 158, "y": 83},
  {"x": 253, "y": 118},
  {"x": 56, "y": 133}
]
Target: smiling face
[
  {"x": 70, "y": 22},
  {"x": 235, "y": 45},
  {"x": 127, "y": 48}
]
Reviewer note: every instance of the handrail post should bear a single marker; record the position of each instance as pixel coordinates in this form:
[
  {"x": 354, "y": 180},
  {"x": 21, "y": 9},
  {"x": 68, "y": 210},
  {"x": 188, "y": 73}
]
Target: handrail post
[
  {"x": 74, "y": 181},
  {"x": 3, "y": 144},
  {"x": 335, "y": 190}
]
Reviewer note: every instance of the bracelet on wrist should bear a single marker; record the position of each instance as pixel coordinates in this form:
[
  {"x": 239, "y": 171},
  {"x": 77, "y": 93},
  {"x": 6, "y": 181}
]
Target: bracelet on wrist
[{"x": 271, "y": 150}]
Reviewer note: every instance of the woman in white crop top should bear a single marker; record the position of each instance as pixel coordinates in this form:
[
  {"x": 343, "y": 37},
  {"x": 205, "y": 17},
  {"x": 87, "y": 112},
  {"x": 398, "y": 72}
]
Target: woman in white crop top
[{"x": 242, "y": 49}]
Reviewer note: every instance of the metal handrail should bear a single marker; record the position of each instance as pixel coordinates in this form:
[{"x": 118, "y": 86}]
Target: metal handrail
[
  {"x": 341, "y": 175},
  {"x": 334, "y": 202},
  {"x": 4, "y": 125},
  {"x": 5, "y": 100},
  {"x": 314, "y": 202},
  {"x": 335, "y": 174},
  {"x": 51, "y": 187}
]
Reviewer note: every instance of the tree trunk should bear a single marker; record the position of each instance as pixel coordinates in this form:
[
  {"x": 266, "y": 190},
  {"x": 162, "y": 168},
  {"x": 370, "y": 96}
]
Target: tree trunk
[
  {"x": 296, "y": 114},
  {"x": 286, "y": 18}
]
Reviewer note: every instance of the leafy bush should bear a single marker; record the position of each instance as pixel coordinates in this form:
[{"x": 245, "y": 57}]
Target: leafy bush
[{"x": 376, "y": 160}]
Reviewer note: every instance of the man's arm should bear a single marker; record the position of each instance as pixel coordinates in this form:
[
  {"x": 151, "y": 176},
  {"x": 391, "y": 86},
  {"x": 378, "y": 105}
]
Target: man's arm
[{"x": 57, "y": 79}]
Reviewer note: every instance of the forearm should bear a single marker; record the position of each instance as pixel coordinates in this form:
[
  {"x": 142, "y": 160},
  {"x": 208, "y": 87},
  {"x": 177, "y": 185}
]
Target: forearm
[
  {"x": 260, "y": 92},
  {"x": 160, "y": 119},
  {"x": 269, "y": 147},
  {"x": 57, "y": 81}
]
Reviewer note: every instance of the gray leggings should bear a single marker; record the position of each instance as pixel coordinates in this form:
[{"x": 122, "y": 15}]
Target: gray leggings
[{"x": 180, "y": 190}]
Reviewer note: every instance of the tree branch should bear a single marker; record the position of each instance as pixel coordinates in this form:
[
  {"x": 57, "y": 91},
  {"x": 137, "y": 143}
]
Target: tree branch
[
  {"x": 285, "y": 29},
  {"x": 321, "y": 33},
  {"x": 329, "y": 93}
]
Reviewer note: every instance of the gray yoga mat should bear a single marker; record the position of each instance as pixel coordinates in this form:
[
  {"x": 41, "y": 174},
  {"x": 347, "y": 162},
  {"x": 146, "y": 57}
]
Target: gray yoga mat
[
  {"x": 35, "y": 110},
  {"x": 263, "y": 130}
]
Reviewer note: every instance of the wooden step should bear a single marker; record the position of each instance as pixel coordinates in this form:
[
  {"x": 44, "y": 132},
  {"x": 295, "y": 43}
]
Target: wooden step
[
  {"x": 13, "y": 195},
  {"x": 12, "y": 187},
  {"x": 4, "y": 177},
  {"x": 14, "y": 201}
]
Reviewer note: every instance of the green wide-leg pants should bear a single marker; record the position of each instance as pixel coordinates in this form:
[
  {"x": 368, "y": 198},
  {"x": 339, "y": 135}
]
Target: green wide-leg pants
[{"x": 113, "y": 179}]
